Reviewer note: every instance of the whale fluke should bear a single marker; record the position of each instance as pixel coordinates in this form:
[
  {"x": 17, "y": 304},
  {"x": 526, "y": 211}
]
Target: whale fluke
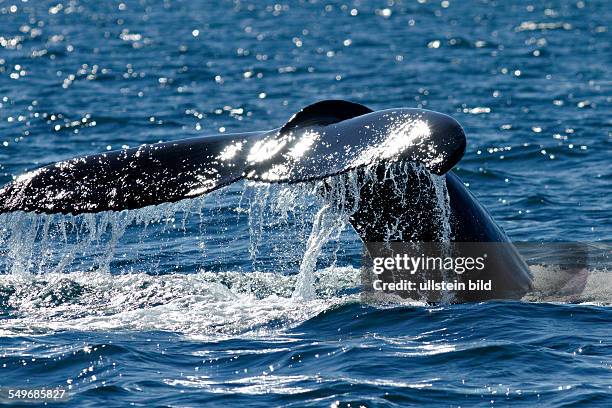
[{"x": 323, "y": 139}]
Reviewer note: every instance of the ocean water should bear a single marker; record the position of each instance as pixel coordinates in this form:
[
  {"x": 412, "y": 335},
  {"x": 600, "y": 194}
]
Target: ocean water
[{"x": 250, "y": 296}]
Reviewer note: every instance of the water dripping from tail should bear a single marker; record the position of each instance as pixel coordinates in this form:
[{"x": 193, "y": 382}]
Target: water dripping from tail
[
  {"x": 317, "y": 213},
  {"x": 337, "y": 195},
  {"x": 41, "y": 243}
]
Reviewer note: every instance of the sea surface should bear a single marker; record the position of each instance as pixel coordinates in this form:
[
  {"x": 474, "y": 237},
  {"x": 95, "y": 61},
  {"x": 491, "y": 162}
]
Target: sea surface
[{"x": 201, "y": 303}]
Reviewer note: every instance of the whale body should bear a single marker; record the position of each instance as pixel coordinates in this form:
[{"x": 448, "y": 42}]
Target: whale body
[{"x": 322, "y": 140}]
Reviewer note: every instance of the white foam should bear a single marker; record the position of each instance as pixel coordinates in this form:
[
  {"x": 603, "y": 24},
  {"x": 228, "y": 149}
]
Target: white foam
[{"x": 203, "y": 304}]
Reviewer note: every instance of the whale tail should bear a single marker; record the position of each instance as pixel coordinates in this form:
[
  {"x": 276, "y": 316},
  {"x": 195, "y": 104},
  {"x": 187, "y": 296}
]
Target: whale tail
[{"x": 323, "y": 139}]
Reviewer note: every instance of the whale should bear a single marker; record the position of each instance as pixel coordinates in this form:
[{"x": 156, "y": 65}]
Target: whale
[{"x": 323, "y": 140}]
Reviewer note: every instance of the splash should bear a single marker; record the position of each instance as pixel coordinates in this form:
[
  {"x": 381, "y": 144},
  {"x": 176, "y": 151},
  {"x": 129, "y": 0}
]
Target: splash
[{"x": 289, "y": 227}]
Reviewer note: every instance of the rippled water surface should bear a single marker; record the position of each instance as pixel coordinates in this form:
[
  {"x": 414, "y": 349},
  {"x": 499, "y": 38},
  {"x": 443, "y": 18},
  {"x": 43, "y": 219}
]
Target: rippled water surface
[{"x": 195, "y": 303}]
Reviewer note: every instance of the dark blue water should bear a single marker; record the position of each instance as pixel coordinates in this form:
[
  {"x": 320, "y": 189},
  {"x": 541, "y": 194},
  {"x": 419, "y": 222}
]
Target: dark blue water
[{"x": 191, "y": 304}]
